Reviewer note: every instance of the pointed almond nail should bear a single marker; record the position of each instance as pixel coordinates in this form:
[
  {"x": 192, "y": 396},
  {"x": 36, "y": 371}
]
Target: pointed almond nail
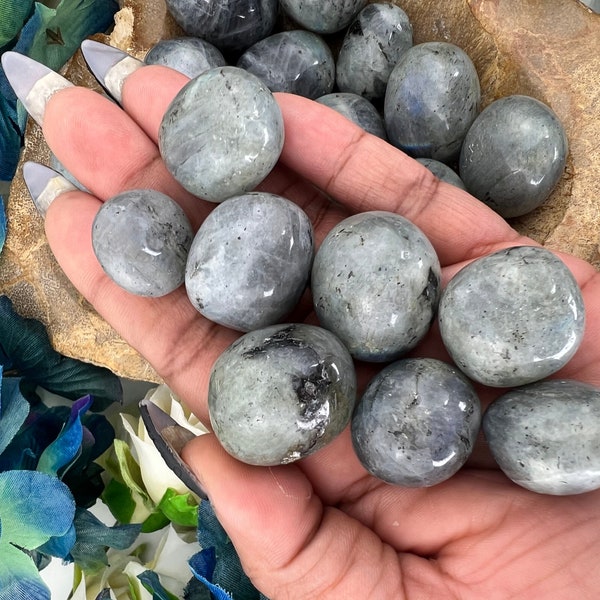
[
  {"x": 33, "y": 83},
  {"x": 169, "y": 438},
  {"x": 44, "y": 185},
  {"x": 110, "y": 66}
]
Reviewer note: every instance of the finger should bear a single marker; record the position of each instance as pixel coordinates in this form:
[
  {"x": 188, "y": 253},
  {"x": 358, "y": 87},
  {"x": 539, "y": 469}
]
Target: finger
[
  {"x": 177, "y": 341},
  {"x": 292, "y": 546}
]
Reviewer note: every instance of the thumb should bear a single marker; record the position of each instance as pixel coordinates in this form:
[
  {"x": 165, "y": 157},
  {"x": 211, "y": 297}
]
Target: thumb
[{"x": 290, "y": 545}]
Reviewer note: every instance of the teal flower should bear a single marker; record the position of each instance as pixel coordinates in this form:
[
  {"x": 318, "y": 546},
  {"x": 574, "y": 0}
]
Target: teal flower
[{"x": 27, "y": 500}]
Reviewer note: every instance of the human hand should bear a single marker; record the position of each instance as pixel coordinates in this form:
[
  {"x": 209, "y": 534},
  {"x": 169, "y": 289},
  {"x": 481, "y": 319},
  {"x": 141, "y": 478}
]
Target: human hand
[{"x": 322, "y": 527}]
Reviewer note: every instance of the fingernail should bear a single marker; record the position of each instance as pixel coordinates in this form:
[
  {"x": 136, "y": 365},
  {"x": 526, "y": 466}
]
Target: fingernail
[
  {"x": 110, "y": 66},
  {"x": 44, "y": 185},
  {"x": 169, "y": 438},
  {"x": 33, "y": 83}
]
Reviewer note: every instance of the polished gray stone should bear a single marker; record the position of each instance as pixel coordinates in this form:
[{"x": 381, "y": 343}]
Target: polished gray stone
[
  {"x": 442, "y": 171},
  {"x": 222, "y": 134},
  {"x": 281, "y": 393},
  {"x": 231, "y": 25},
  {"x": 416, "y": 422},
  {"x": 372, "y": 46},
  {"x": 298, "y": 62},
  {"x": 358, "y": 109},
  {"x": 376, "y": 284},
  {"x": 322, "y": 16},
  {"x": 142, "y": 238},
  {"x": 431, "y": 100},
  {"x": 250, "y": 261},
  {"x": 546, "y": 436},
  {"x": 514, "y": 155},
  {"x": 188, "y": 55},
  {"x": 512, "y": 317}
]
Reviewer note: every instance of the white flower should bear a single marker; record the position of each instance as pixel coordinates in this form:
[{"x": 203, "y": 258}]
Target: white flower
[{"x": 156, "y": 475}]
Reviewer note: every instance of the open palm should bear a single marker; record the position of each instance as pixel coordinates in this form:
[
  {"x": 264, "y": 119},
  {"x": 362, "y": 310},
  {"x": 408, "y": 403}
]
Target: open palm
[{"x": 322, "y": 527}]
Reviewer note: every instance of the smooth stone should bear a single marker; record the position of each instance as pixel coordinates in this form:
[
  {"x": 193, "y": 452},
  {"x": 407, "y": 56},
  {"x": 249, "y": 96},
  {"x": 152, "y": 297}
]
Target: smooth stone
[
  {"x": 546, "y": 436},
  {"x": 188, "y": 55},
  {"x": 371, "y": 48},
  {"x": 250, "y": 261},
  {"x": 298, "y": 62},
  {"x": 416, "y": 423},
  {"x": 281, "y": 393},
  {"x": 512, "y": 317},
  {"x": 431, "y": 100},
  {"x": 358, "y": 109},
  {"x": 514, "y": 155},
  {"x": 322, "y": 16},
  {"x": 141, "y": 239},
  {"x": 442, "y": 171},
  {"x": 230, "y": 25},
  {"x": 222, "y": 134},
  {"x": 376, "y": 284}
]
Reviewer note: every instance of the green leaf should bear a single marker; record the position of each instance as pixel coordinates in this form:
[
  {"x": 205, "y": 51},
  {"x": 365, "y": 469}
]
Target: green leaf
[
  {"x": 117, "y": 496},
  {"x": 13, "y": 14},
  {"x": 157, "y": 520},
  {"x": 180, "y": 509}
]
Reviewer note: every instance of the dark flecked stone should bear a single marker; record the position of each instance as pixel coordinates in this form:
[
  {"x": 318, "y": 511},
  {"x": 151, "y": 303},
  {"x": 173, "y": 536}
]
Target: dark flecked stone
[
  {"x": 222, "y": 134},
  {"x": 416, "y": 423},
  {"x": 231, "y": 25},
  {"x": 372, "y": 46},
  {"x": 358, "y": 109},
  {"x": 442, "y": 171},
  {"x": 322, "y": 16},
  {"x": 432, "y": 98},
  {"x": 513, "y": 317},
  {"x": 250, "y": 261},
  {"x": 188, "y": 55},
  {"x": 376, "y": 283},
  {"x": 546, "y": 436},
  {"x": 298, "y": 62},
  {"x": 141, "y": 238},
  {"x": 514, "y": 155},
  {"x": 281, "y": 393}
]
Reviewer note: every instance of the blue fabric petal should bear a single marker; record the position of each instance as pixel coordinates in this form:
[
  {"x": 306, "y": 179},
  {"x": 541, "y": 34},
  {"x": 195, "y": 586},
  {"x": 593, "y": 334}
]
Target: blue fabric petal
[
  {"x": 152, "y": 583},
  {"x": 2, "y": 223},
  {"x": 13, "y": 14},
  {"x": 13, "y": 410},
  {"x": 60, "y": 546},
  {"x": 67, "y": 445},
  {"x": 19, "y": 577},
  {"x": 197, "y": 563}
]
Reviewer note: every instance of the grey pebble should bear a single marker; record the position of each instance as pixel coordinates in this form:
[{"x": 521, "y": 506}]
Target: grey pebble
[
  {"x": 188, "y": 55},
  {"x": 546, "y": 436},
  {"x": 416, "y": 422},
  {"x": 230, "y": 25},
  {"x": 281, "y": 393},
  {"x": 376, "y": 284},
  {"x": 322, "y": 16},
  {"x": 514, "y": 155},
  {"x": 372, "y": 46},
  {"x": 512, "y": 317},
  {"x": 250, "y": 261},
  {"x": 222, "y": 134},
  {"x": 298, "y": 62},
  {"x": 141, "y": 239},
  {"x": 358, "y": 109},
  {"x": 442, "y": 171},
  {"x": 431, "y": 100}
]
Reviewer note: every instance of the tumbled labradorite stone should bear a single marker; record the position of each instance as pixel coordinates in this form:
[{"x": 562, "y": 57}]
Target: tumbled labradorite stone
[
  {"x": 372, "y": 46},
  {"x": 416, "y": 422},
  {"x": 222, "y": 134},
  {"x": 358, "y": 109},
  {"x": 188, "y": 55},
  {"x": 298, "y": 62},
  {"x": 442, "y": 171},
  {"x": 513, "y": 317},
  {"x": 281, "y": 393},
  {"x": 141, "y": 239},
  {"x": 546, "y": 436},
  {"x": 322, "y": 16},
  {"x": 231, "y": 25},
  {"x": 514, "y": 155},
  {"x": 250, "y": 261},
  {"x": 376, "y": 284},
  {"x": 431, "y": 99}
]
